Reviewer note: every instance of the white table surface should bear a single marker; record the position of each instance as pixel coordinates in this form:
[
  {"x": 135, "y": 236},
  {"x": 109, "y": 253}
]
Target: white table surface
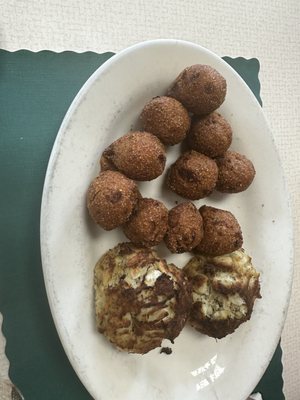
[{"x": 269, "y": 31}]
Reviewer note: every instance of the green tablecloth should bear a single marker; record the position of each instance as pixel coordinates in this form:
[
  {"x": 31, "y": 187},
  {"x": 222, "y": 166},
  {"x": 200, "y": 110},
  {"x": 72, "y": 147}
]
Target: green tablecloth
[{"x": 36, "y": 90}]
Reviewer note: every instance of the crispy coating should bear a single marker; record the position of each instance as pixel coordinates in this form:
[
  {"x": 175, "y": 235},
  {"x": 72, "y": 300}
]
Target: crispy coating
[
  {"x": 221, "y": 232},
  {"x": 105, "y": 162},
  {"x": 185, "y": 228},
  {"x": 148, "y": 223},
  {"x": 193, "y": 175},
  {"x": 167, "y": 119},
  {"x": 139, "y": 298},
  {"x": 236, "y": 173},
  {"x": 224, "y": 290},
  {"x": 210, "y": 135},
  {"x": 200, "y": 88},
  {"x": 111, "y": 199},
  {"x": 138, "y": 155}
]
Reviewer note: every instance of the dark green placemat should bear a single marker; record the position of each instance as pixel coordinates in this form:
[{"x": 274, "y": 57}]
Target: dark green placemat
[{"x": 36, "y": 90}]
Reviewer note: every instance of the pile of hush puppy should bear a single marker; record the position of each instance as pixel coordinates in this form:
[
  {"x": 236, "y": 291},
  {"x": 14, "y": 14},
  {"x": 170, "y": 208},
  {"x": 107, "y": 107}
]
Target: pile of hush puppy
[{"x": 186, "y": 113}]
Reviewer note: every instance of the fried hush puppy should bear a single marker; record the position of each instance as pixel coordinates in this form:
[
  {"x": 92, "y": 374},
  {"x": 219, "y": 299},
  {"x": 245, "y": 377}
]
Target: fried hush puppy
[
  {"x": 224, "y": 290},
  {"x": 148, "y": 223},
  {"x": 167, "y": 119},
  {"x": 139, "y": 298},
  {"x": 210, "y": 135},
  {"x": 185, "y": 228},
  {"x": 193, "y": 175},
  {"x": 236, "y": 173},
  {"x": 200, "y": 88},
  {"x": 111, "y": 199},
  {"x": 221, "y": 232},
  {"x": 138, "y": 155}
]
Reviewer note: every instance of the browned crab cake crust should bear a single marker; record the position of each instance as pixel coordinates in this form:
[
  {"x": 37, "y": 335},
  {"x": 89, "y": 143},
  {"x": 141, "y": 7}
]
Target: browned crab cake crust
[
  {"x": 210, "y": 135},
  {"x": 148, "y": 223},
  {"x": 200, "y": 88},
  {"x": 185, "y": 228},
  {"x": 111, "y": 199},
  {"x": 221, "y": 232},
  {"x": 138, "y": 155},
  {"x": 139, "y": 298},
  {"x": 193, "y": 175},
  {"x": 236, "y": 173},
  {"x": 224, "y": 289},
  {"x": 167, "y": 119}
]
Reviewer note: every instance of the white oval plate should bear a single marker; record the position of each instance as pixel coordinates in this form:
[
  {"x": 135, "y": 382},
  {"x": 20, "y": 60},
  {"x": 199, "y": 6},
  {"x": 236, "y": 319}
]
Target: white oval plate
[{"x": 106, "y": 107}]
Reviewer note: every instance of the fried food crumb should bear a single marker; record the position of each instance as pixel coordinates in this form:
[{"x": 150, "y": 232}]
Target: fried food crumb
[{"x": 166, "y": 350}]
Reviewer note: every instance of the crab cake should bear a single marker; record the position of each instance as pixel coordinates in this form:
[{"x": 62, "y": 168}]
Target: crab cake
[
  {"x": 138, "y": 155},
  {"x": 224, "y": 289},
  {"x": 185, "y": 228},
  {"x": 200, "y": 88},
  {"x": 210, "y": 135},
  {"x": 193, "y": 175},
  {"x": 221, "y": 232},
  {"x": 111, "y": 199},
  {"x": 148, "y": 223},
  {"x": 167, "y": 119},
  {"x": 139, "y": 298},
  {"x": 236, "y": 173}
]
